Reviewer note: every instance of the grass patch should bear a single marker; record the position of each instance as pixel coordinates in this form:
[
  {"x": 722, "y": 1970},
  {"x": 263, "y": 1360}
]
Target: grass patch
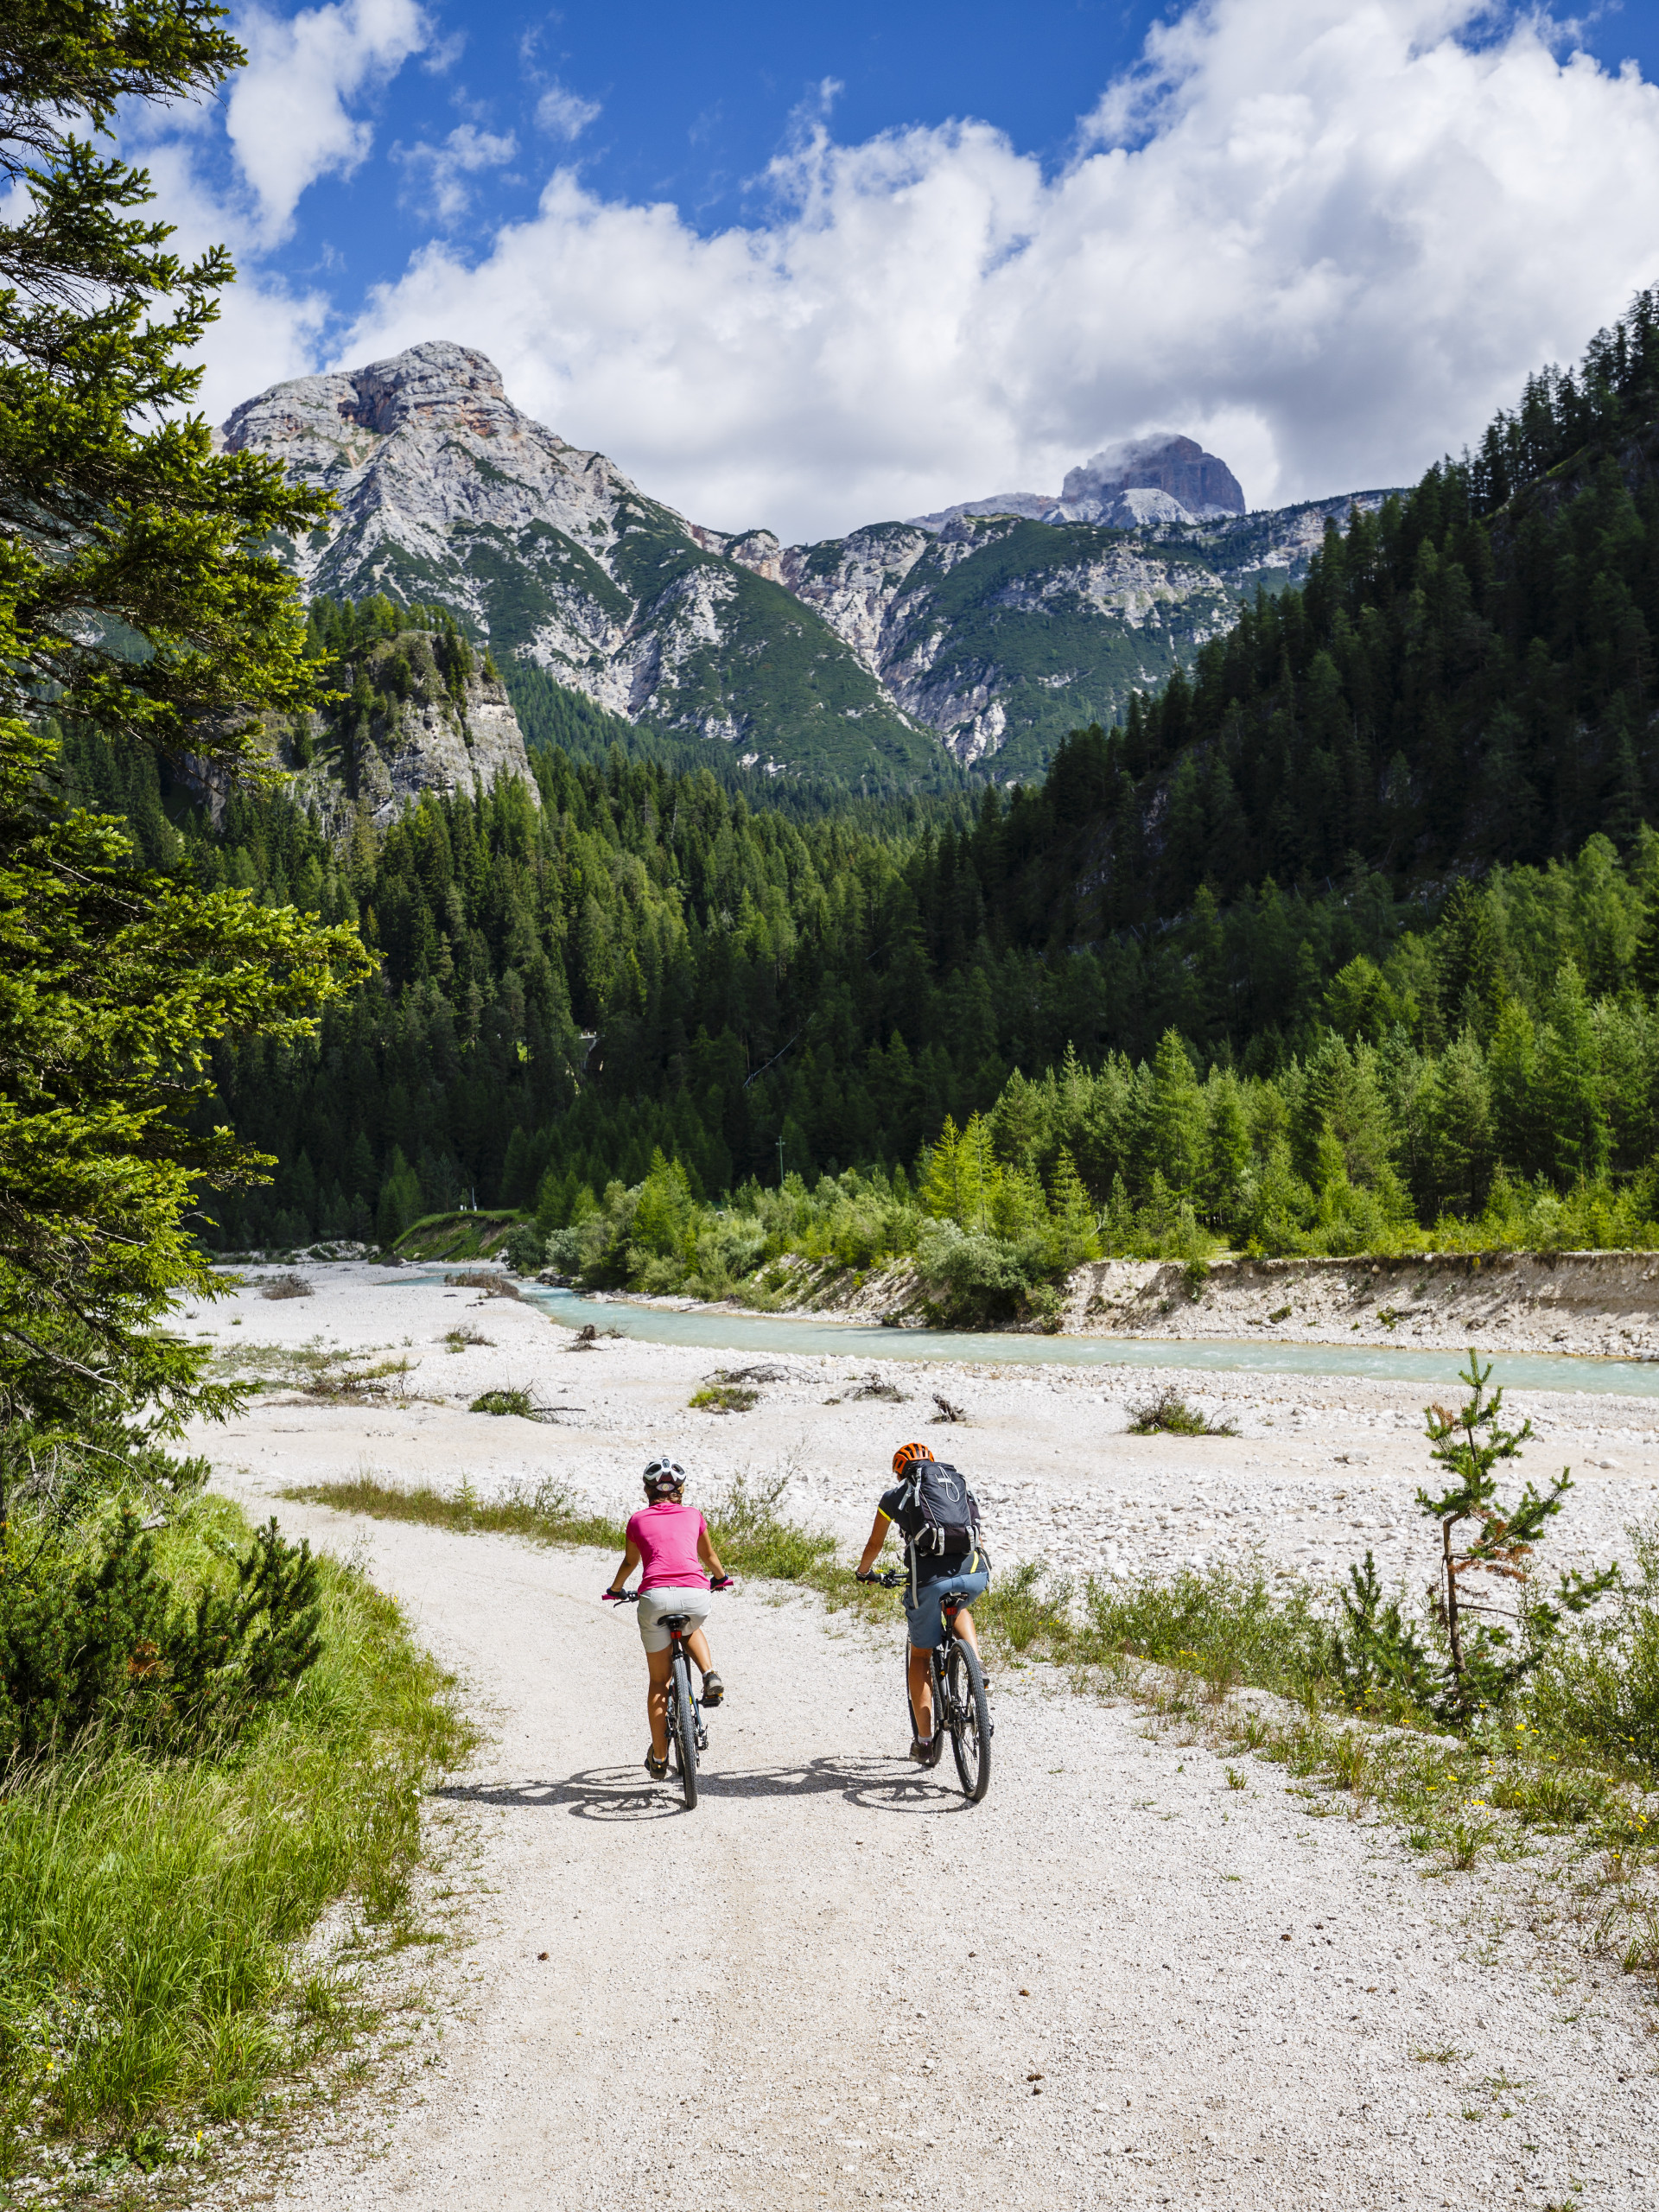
[
  {"x": 1169, "y": 1414},
  {"x": 467, "y": 1235},
  {"x": 750, "y": 1530},
  {"x": 723, "y": 1398},
  {"x": 150, "y": 1907},
  {"x": 507, "y": 1400},
  {"x": 288, "y": 1286},
  {"x": 545, "y": 1515},
  {"x": 319, "y": 1371},
  {"x": 464, "y": 1335}
]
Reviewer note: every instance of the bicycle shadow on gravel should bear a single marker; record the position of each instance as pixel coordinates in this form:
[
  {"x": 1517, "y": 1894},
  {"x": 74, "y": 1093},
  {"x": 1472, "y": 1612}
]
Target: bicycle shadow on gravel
[{"x": 626, "y": 1792}]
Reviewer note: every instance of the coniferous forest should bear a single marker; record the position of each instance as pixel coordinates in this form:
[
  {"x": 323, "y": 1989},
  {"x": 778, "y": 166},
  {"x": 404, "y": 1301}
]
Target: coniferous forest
[{"x": 1346, "y": 933}]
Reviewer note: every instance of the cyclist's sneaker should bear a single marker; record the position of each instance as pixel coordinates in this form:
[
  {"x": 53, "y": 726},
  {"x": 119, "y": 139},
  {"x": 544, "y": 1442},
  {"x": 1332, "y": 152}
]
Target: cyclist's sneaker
[
  {"x": 921, "y": 1749},
  {"x": 657, "y": 1768},
  {"x": 713, "y": 1690}
]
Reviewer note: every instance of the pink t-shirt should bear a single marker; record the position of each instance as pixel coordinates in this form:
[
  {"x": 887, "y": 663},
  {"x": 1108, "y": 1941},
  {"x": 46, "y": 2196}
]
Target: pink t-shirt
[{"x": 665, "y": 1536}]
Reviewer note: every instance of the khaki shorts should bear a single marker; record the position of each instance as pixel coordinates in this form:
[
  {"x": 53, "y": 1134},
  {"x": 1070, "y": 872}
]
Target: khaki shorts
[{"x": 692, "y": 1603}]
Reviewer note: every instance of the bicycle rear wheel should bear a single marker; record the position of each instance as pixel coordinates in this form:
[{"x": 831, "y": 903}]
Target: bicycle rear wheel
[
  {"x": 683, "y": 1729},
  {"x": 969, "y": 1718}
]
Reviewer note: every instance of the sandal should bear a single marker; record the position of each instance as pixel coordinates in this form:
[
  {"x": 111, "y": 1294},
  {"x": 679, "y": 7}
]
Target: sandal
[
  {"x": 657, "y": 1768},
  {"x": 713, "y": 1690}
]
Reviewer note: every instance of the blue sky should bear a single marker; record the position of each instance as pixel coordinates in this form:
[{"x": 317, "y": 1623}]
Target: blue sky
[
  {"x": 813, "y": 266},
  {"x": 692, "y": 104}
]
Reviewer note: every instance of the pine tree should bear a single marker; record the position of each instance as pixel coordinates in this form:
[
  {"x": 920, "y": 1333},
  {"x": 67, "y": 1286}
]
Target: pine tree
[
  {"x": 1072, "y": 1218},
  {"x": 1487, "y": 1658}
]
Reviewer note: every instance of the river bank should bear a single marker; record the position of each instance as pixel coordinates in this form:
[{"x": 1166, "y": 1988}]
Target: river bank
[
  {"x": 1321, "y": 1467},
  {"x": 1598, "y": 1305}
]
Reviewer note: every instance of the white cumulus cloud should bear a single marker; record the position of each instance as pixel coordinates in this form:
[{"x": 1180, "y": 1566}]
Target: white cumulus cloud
[
  {"x": 564, "y": 114},
  {"x": 290, "y": 118},
  {"x": 1326, "y": 238},
  {"x": 449, "y": 169}
]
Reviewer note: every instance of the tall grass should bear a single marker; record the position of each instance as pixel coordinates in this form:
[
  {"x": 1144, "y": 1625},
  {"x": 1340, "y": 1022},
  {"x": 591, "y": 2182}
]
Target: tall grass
[
  {"x": 150, "y": 1909},
  {"x": 751, "y": 1533}
]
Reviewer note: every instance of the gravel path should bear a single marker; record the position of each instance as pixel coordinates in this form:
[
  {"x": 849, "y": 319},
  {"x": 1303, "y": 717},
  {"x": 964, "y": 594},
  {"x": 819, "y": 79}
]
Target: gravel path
[{"x": 836, "y": 1981}]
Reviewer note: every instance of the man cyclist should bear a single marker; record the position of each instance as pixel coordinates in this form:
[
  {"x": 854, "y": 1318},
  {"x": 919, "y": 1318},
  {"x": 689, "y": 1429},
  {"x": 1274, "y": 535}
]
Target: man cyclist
[
  {"x": 670, "y": 1540},
  {"x": 930, "y": 1580}
]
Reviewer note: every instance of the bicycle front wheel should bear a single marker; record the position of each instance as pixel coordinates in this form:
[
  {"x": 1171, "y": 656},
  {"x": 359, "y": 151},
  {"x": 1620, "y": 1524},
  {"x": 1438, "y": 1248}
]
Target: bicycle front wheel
[
  {"x": 969, "y": 1718},
  {"x": 683, "y": 1729}
]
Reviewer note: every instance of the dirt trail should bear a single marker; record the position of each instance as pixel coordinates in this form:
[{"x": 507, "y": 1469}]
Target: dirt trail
[{"x": 832, "y": 1982}]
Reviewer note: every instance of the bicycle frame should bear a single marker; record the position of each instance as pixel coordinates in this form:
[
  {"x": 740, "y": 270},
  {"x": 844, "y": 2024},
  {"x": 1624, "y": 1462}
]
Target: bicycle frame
[
  {"x": 684, "y": 1742},
  {"x": 960, "y": 1708},
  {"x": 679, "y": 1637},
  {"x": 950, "y": 1607}
]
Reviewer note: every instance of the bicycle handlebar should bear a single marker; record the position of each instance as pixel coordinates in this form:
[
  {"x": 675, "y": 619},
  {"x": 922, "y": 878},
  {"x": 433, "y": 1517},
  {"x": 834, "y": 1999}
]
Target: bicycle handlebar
[
  {"x": 632, "y": 1597},
  {"x": 893, "y": 1578}
]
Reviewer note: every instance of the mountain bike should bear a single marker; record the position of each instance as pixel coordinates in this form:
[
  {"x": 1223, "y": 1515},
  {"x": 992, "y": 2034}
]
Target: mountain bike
[
  {"x": 960, "y": 1705},
  {"x": 687, "y": 1733}
]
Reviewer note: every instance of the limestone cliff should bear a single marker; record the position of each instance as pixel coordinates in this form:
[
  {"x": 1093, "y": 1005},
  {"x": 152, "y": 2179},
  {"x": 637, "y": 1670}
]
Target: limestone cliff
[
  {"x": 989, "y": 629},
  {"x": 449, "y": 494}
]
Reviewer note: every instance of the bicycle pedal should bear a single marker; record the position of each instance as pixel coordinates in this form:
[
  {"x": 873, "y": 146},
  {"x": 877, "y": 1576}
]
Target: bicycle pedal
[{"x": 703, "y": 1738}]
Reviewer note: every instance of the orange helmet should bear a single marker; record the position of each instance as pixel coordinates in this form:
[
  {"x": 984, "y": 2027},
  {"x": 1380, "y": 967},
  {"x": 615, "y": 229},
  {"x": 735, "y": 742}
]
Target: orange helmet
[{"x": 906, "y": 1453}]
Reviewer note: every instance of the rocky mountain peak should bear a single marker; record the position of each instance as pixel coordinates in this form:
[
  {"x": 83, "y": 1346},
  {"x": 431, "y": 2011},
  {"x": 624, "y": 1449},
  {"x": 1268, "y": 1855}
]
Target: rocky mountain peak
[
  {"x": 1163, "y": 478},
  {"x": 438, "y": 382},
  {"x": 1199, "y": 482}
]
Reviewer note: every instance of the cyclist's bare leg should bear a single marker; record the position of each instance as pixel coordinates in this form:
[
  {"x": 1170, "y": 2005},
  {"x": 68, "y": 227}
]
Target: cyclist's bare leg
[
  {"x": 964, "y": 1627},
  {"x": 660, "y": 1666},
  {"x": 697, "y": 1644},
  {"x": 920, "y": 1677}
]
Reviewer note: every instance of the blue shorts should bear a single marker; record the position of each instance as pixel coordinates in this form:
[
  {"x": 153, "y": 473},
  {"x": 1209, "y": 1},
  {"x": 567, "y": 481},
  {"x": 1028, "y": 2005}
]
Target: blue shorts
[{"x": 927, "y": 1614}]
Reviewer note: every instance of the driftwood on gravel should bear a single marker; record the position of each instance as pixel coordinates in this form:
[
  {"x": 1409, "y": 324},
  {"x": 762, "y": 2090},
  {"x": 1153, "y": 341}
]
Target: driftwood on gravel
[{"x": 493, "y": 1286}]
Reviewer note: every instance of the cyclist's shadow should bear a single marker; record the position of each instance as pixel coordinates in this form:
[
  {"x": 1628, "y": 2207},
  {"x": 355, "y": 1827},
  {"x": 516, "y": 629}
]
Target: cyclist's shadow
[{"x": 624, "y": 1793}]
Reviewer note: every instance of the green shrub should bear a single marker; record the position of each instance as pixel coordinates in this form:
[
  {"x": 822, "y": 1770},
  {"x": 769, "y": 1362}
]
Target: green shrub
[
  {"x": 752, "y": 1537},
  {"x": 104, "y": 1643},
  {"x": 1598, "y": 1685},
  {"x": 723, "y": 1398},
  {"x": 523, "y": 1248},
  {"x": 1223, "y": 1615},
  {"x": 1169, "y": 1414},
  {"x": 977, "y": 1281},
  {"x": 150, "y": 1905},
  {"x": 504, "y": 1401}
]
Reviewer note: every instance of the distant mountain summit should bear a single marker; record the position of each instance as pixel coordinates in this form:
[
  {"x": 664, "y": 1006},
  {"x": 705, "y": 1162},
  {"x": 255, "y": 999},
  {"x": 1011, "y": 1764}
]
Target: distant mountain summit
[
  {"x": 1164, "y": 478},
  {"x": 988, "y": 630}
]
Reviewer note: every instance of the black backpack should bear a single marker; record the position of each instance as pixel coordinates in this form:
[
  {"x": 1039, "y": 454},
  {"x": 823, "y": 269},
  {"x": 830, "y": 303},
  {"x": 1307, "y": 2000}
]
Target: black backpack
[{"x": 939, "y": 1514}]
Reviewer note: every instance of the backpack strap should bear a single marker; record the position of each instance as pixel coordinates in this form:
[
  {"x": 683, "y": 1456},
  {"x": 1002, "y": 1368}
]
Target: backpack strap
[{"x": 913, "y": 1485}]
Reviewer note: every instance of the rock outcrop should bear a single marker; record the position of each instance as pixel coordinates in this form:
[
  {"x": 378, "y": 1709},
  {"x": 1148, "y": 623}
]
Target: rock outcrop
[{"x": 446, "y": 747}]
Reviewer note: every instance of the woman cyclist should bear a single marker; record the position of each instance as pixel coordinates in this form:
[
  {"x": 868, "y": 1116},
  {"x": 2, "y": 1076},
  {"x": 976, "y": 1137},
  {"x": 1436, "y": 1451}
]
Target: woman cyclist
[
  {"x": 671, "y": 1541},
  {"x": 930, "y": 1580}
]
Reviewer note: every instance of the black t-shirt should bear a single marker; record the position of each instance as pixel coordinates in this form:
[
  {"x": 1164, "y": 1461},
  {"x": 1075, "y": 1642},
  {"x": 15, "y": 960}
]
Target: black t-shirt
[{"x": 907, "y": 1520}]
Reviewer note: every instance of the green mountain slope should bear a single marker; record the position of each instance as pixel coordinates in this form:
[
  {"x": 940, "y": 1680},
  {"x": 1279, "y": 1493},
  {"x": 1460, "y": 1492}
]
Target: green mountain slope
[
  {"x": 1001, "y": 633},
  {"x": 1466, "y": 678}
]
